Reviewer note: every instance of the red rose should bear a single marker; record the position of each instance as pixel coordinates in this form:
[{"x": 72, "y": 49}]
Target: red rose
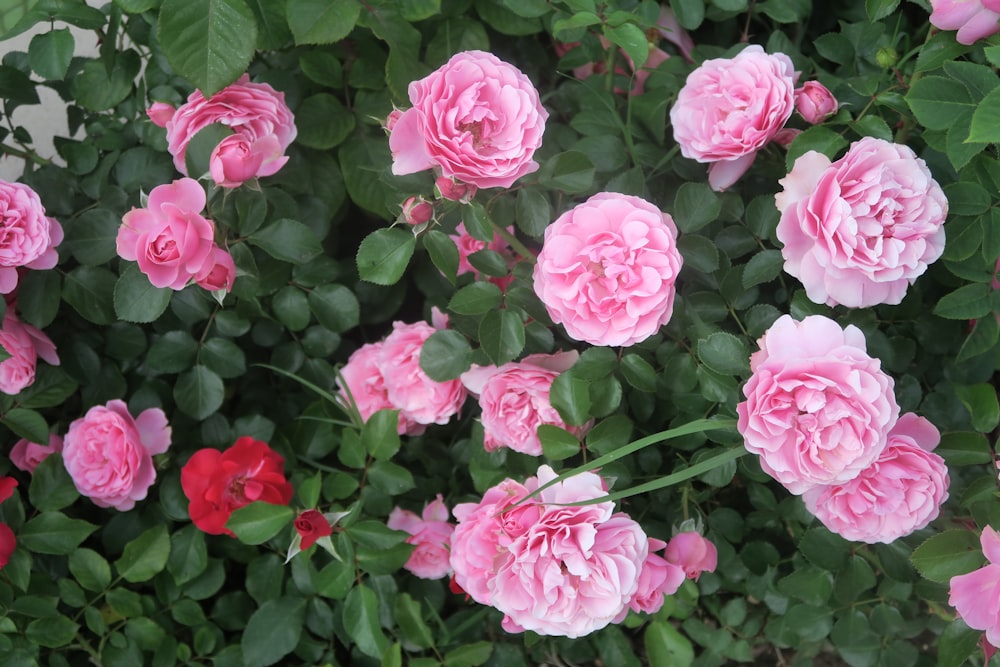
[
  {"x": 217, "y": 483},
  {"x": 312, "y": 525}
]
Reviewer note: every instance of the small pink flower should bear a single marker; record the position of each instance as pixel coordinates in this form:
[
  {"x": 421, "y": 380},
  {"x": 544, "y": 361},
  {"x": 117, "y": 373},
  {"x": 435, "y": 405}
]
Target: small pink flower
[
  {"x": 28, "y": 237},
  {"x": 477, "y": 119},
  {"x": 814, "y": 102},
  {"x": 453, "y": 190},
  {"x": 976, "y": 595},
  {"x": 241, "y": 157},
  {"x": 27, "y": 455},
  {"x": 818, "y": 408},
  {"x": 417, "y": 211},
  {"x": 431, "y": 534},
  {"x": 973, "y": 19},
  {"x": 659, "y": 577},
  {"x": 161, "y": 113},
  {"x": 607, "y": 269},
  {"x": 693, "y": 553},
  {"x": 729, "y": 108},
  {"x": 24, "y": 343},
  {"x": 859, "y": 231},
  {"x": 218, "y": 272},
  {"x": 109, "y": 455}
]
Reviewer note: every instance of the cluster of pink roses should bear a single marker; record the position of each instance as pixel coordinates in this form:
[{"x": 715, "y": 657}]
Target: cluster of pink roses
[{"x": 822, "y": 416}]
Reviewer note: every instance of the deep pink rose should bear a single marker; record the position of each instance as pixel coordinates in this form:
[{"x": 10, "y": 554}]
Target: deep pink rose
[
  {"x": 476, "y": 119},
  {"x": 693, "y": 553},
  {"x": 28, "y": 237},
  {"x": 218, "y": 272},
  {"x": 976, "y": 595},
  {"x": 859, "y": 231},
  {"x": 256, "y": 112},
  {"x": 899, "y": 493},
  {"x": 24, "y": 343},
  {"x": 366, "y": 384},
  {"x": 453, "y": 190},
  {"x": 814, "y": 102},
  {"x": 169, "y": 238},
  {"x": 658, "y": 577},
  {"x": 418, "y": 398},
  {"x": 8, "y": 541},
  {"x": 430, "y": 533},
  {"x": 973, "y": 19},
  {"x": 818, "y": 408},
  {"x": 607, "y": 268},
  {"x": 730, "y": 107},
  {"x": 417, "y": 211},
  {"x": 27, "y": 455},
  {"x": 161, "y": 113},
  {"x": 109, "y": 455},
  {"x": 515, "y": 400}
]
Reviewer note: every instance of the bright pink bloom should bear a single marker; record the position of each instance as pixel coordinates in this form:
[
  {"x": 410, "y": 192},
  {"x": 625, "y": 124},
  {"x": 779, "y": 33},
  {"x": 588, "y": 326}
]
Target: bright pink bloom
[
  {"x": 659, "y": 577},
  {"x": 169, "y": 239},
  {"x": 27, "y": 455},
  {"x": 476, "y": 119},
  {"x": 729, "y": 108},
  {"x": 311, "y": 525},
  {"x": 899, "y": 493},
  {"x": 417, "y": 211},
  {"x": 607, "y": 269},
  {"x": 693, "y": 553},
  {"x": 28, "y": 237},
  {"x": 241, "y": 157},
  {"x": 218, "y": 272},
  {"x": 818, "y": 408},
  {"x": 24, "y": 343},
  {"x": 973, "y": 19},
  {"x": 431, "y": 534},
  {"x": 859, "y": 231},
  {"x": 109, "y": 455},
  {"x": 976, "y": 595},
  {"x": 814, "y": 102},
  {"x": 515, "y": 400}
]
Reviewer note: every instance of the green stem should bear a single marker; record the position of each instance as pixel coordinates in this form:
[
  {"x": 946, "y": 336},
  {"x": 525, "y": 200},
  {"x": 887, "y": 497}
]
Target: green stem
[{"x": 513, "y": 242}]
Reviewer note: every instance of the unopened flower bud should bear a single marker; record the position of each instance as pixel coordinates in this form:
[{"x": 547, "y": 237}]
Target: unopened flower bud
[
  {"x": 887, "y": 57},
  {"x": 417, "y": 211},
  {"x": 455, "y": 190},
  {"x": 814, "y": 102}
]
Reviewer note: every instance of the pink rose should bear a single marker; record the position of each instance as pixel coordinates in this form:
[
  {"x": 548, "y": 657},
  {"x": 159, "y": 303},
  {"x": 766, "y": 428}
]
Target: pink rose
[
  {"x": 24, "y": 343},
  {"x": 242, "y": 156},
  {"x": 515, "y": 400},
  {"x": 730, "y": 107},
  {"x": 417, "y": 211},
  {"x": 27, "y": 455},
  {"x": 973, "y": 19},
  {"x": 218, "y": 272},
  {"x": 859, "y": 231},
  {"x": 27, "y": 236},
  {"x": 161, "y": 113},
  {"x": 818, "y": 408},
  {"x": 607, "y": 268},
  {"x": 169, "y": 238},
  {"x": 109, "y": 455},
  {"x": 418, "y": 398},
  {"x": 363, "y": 379},
  {"x": 476, "y": 119},
  {"x": 814, "y": 102},
  {"x": 902, "y": 491},
  {"x": 658, "y": 577},
  {"x": 976, "y": 595},
  {"x": 693, "y": 553},
  {"x": 431, "y": 534},
  {"x": 256, "y": 112},
  {"x": 453, "y": 190}
]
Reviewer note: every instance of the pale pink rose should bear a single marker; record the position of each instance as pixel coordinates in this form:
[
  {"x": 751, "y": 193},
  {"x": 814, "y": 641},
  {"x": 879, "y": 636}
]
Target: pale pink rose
[
  {"x": 659, "y": 577},
  {"x": 24, "y": 343},
  {"x": 28, "y": 237},
  {"x": 607, "y": 268},
  {"x": 976, "y": 595},
  {"x": 109, "y": 455},
  {"x": 453, "y": 190},
  {"x": 693, "y": 553},
  {"x": 818, "y": 408},
  {"x": 161, "y": 113},
  {"x": 973, "y": 19},
  {"x": 814, "y": 102},
  {"x": 27, "y": 455},
  {"x": 515, "y": 400},
  {"x": 242, "y": 156},
  {"x": 254, "y": 110},
  {"x": 417, "y": 211},
  {"x": 729, "y": 108},
  {"x": 363, "y": 378},
  {"x": 902, "y": 491},
  {"x": 476, "y": 119},
  {"x": 218, "y": 272},
  {"x": 859, "y": 231},
  {"x": 169, "y": 238},
  {"x": 431, "y": 534}
]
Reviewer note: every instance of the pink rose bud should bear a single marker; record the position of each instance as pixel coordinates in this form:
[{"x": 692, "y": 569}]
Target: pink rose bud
[
  {"x": 814, "y": 102},
  {"x": 234, "y": 161},
  {"x": 27, "y": 455},
  {"x": 390, "y": 120},
  {"x": 417, "y": 211},
  {"x": 218, "y": 272},
  {"x": 160, "y": 113},
  {"x": 453, "y": 190},
  {"x": 692, "y": 552}
]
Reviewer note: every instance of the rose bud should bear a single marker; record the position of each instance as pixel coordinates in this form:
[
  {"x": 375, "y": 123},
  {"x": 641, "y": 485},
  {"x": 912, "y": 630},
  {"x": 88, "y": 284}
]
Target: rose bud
[{"x": 814, "y": 102}]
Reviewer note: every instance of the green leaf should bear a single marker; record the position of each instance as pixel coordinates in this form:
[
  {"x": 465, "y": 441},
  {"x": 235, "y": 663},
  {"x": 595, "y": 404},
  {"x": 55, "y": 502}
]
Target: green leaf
[
  {"x": 173, "y": 352},
  {"x": 967, "y": 198},
  {"x": 638, "y": 372},
  {"x": 699, "y": 253},
  {"x": 981, "y": 402},
  {"x": 956, "y": 644},
  {"x": 964, "y": 448},
  {"x": 258, "y": 522},
  {"x": 379, "y": 434},
  {"x": 724, "y": 353},
  {"x": 90, "y": 569},
  {"x": 38, "y": 297},
  {"x": 666, "y": 646},
  {"x": 390, "y": 478},
  {"x": 939, "y": 49},
  {"x": 445, "y": 355},
  {"x": 145, "y": 556},
  {"x": 51, "y": 486},
  {"x": 16, "y": 87},
  {"x": 968, "y": 302},
  {"x": 948, "y": 554},
  {"x": 11, "y": 13},
  {"x": 570, "y": 172},
  {"x": 273, "y": 631},
  {"x": 936, "y": 101},
  {"x": 695, "y": 205},
  {"x": 52, "y": 632},
  {"x": 690, "y": 13},
  {"x": 985, "y": 125},
  {"x": 199, "y": 392},
  {"x": 323, "y": 122},
  {"x": 476, "y": 299},
  {"x": 809, "y": 584},
  {"x": 501, "y": 335},
  {"x": 91, "y": 236},
  {"x": 136, "y": 299},
  {"x": 198, "y": 154},
  {"x": 209, "y": 42},
  {"x": 27, "y": 424},
  {"x": 54, "y": 533},
  {"x": 443, "y": 252},
  {"x": 90, "y": 290},
  {"x": 361, "y": 621},
  {"x": 188, "y": 555},
  {"x": 763, "y": 267},
  {"x": 409, "y": 616},
  {"x": 633, "y": 41},
  {"x": 557, "y": 443},
  {"x": 97, "y": 89},
  {"x": 533, "y": 212},
  {"x": 322, "y": 21},
  {"x": 879, "y": 9},
  {"x": 287, "y": 240},
  {"x": 291, "y": 307},
  {"x": 570, "y": 396},
  {"x": 384, "y": 255},
  {"x": 49, "y": 53},
  {"x": 470, "y": 655},
  {"x": 335, "y": 307},
  {"x": 816, "y": 138}
]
